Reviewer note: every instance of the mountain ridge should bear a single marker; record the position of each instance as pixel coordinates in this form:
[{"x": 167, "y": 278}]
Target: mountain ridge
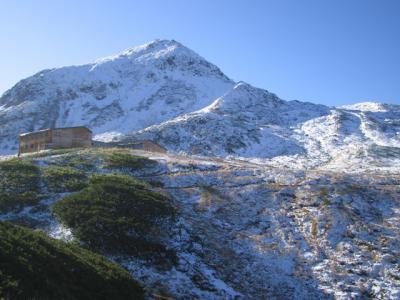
[
  {"x": 166, "y": 92},
  {"x": 135, "y": 89}
]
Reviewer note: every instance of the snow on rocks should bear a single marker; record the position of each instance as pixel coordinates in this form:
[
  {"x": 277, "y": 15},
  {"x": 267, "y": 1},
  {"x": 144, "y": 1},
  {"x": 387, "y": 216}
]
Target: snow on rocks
[
  {"x": 132, "y": 90},
  {"x": 165, "y": 92},
  {"x": 315, "y": 236},
  {"x": 251, "y": 230},
  {"x": 278, "y": 199}
]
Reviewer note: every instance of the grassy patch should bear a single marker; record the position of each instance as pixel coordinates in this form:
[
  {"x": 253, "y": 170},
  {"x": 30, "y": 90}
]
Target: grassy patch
[
  {"x": 19, "y": 184},
  {"x": 208, "y": 196},
  {"x": 81, "y": 161},
  {"x": 314, "y": 227},
  {"x": 52, "y": 152},
  {"x": 117, "y": 214},
  {"x": 64, "y": 179},
  {"x": 121, "y": 160},
  {"x": 33, "y": 266},
  {"x": 324, "y": 194},
  {"x": 10, "y": 201}
]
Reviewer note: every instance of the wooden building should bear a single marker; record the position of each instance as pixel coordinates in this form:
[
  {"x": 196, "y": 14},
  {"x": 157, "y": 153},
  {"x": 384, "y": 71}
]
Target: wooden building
[
  {"x": 55, "y": 138},
  {"x": 147, "y": 145}
]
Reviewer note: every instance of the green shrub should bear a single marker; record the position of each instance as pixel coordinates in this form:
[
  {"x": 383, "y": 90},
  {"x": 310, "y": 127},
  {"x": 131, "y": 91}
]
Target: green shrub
[
  {"x": 16, "y": 201},
  {"x": 19, "y": 184},
  {"x": 19, "y": 175},
  {"x": 77, "y": 160},
  {"x": 34, "y": 266},
  {"x": 64, "y": 179},
  {"x": 121, "y": 160},
  {"x": 117, "y": 214}
]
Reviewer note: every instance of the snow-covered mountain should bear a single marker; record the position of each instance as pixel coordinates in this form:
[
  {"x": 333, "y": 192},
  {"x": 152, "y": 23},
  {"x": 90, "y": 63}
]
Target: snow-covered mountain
[
  {"x": 245, "y": 121},
  {"x": 137, "y": 88},
  {"x": 165, "y": 92},
  {"x": 250, "y": 122},
  {"x": 305, "y": 203}
]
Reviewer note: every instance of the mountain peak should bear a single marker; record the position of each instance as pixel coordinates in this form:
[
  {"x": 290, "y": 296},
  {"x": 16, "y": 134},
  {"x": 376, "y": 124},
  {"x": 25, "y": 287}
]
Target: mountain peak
[
  {"x": 134, "y": 89},
  {"x": 160, "y": 56},
  {"x": 155, "y": 49}
]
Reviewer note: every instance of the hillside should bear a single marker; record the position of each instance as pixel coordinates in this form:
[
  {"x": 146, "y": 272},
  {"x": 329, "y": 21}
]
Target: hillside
[
  {"x": 34, "y": 266},
  {"x": 253, "y": 123},
  {"x": 231, "y": 229},
  {"x": 257, "y": 197}
]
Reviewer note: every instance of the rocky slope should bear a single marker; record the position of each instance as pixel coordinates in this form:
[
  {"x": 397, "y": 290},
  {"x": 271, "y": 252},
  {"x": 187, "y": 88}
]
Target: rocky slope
[
  {"x": 34, "y": 266},
  {"x": 249, "y": 231},
  {"x": 246, "y": 121},
  {"x": 254, "y": 123}
]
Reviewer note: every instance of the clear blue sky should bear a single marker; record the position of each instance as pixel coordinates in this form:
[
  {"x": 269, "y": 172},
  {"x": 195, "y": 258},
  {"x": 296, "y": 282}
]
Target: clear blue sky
[{"x": 331, "y": 52}]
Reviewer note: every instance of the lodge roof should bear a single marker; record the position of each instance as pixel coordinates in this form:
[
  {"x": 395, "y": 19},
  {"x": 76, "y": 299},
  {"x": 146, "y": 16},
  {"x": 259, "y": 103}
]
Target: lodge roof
[{"x": 48, "y": 129}]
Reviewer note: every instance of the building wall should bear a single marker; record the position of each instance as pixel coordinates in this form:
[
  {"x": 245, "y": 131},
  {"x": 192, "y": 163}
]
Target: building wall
[
  {"x": 71, "y": 137},
  {"x": 153, "y": 147},
  {"x": 55, "y": 139},
  {"x": 34, "y": 142}
]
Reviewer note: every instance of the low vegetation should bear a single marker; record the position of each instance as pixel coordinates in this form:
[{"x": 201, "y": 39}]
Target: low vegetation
[
  {"x": 126, "y": 161},
  {"x": 111, "y": 214},
  {"x": 25, "y": 181},
  {"x": 63, "y": 179},
  {"x": 51, "y": 152},
  {"x": 19, "y": 184},
  {"x": 33, "y": 266},
  {"x": 82, "y": 161},
  {"x": 314, "y": 227},
  {"x": 117, "y": 214}
]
